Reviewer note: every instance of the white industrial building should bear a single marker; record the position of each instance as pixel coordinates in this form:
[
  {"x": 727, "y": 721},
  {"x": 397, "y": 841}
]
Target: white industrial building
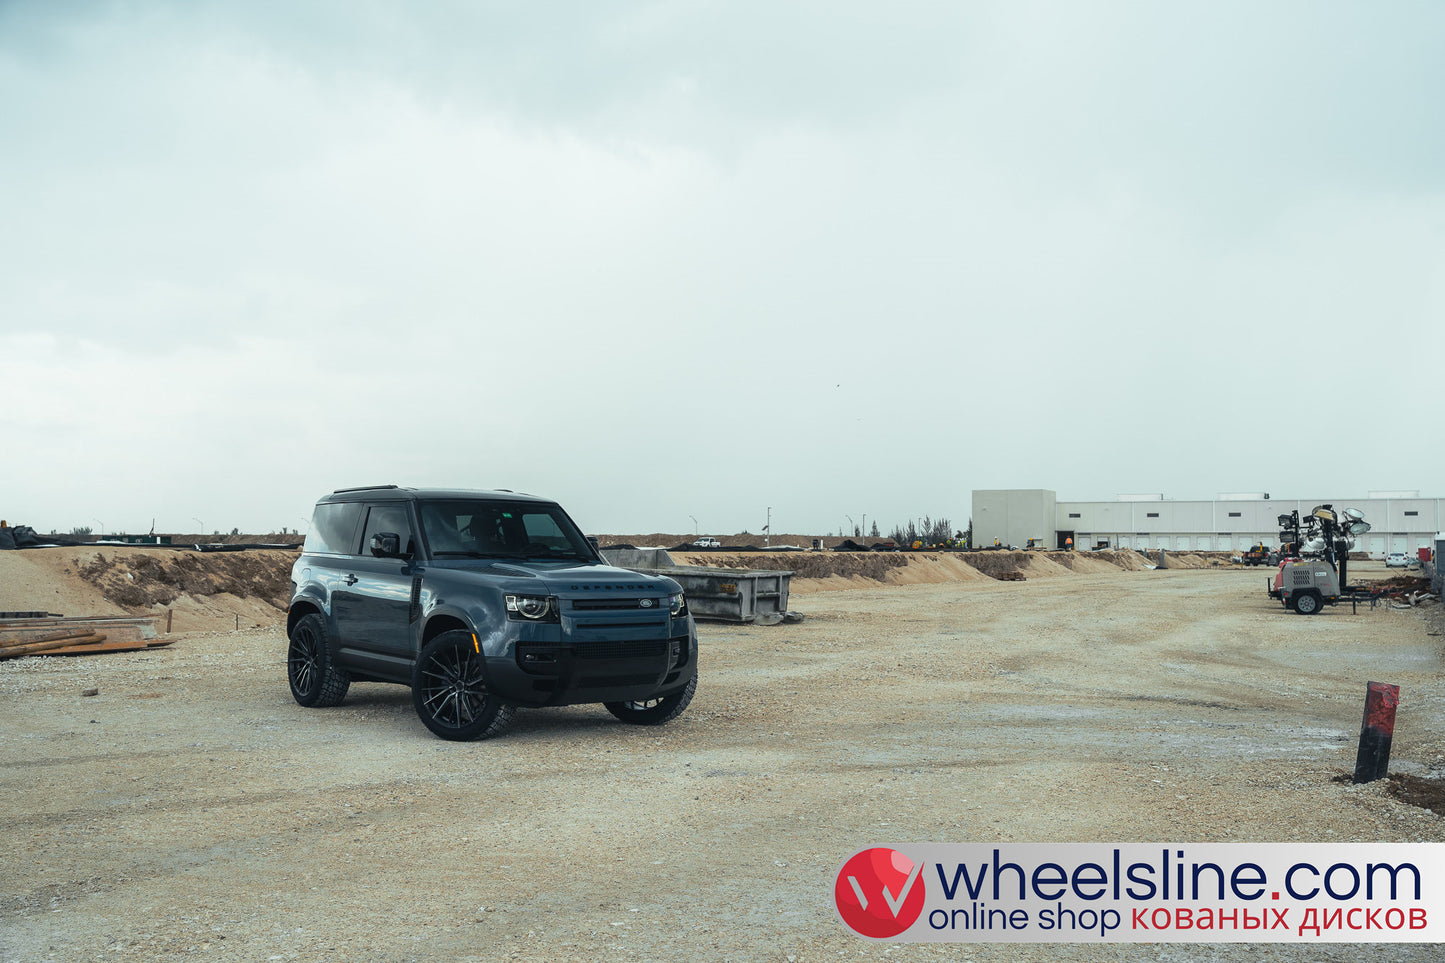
[{"x": 1401, "y": 521}]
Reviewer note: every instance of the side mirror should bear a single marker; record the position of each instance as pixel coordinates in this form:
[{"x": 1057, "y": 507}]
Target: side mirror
[{"x": 386, "y": 545}]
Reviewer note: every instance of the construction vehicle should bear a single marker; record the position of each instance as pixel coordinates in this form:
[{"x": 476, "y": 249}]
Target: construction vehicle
[
  {"x": 1315, "y": 552},
  {"x": 1257, "y": 555}
]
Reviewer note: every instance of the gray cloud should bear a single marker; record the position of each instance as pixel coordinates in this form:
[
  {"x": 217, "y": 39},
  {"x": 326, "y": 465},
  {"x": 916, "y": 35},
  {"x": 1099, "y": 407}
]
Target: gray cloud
[{"x": 694, "y": 258}]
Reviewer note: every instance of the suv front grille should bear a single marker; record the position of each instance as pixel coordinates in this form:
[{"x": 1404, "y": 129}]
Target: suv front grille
[
  {"x": 614, "y": 681},
  {"x": 592, "y": 651},
  {"x": 621, "y": 650},
  {"x": 616, "y": 605}
]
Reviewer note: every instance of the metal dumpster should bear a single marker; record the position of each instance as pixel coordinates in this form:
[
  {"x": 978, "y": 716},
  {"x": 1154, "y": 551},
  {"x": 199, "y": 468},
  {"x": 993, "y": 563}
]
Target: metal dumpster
[
  {"x": 720, "y": 594},
  {"x": 732, "y": 594}
]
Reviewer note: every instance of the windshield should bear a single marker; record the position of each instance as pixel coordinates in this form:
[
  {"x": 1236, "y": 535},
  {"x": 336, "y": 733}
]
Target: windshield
[{"x": 477, "y": 528}]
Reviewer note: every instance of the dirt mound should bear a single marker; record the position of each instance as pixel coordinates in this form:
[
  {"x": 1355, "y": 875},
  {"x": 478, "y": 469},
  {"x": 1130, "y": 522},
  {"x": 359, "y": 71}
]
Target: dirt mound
[
  {"x": 738, "y": 540},
  {"x": 809, "y": 565},
  {"x": 1401, "y": 584},
  {"x": 932, "y": 568},
  {"x": 139, "y": 580},
  {"x": 1082, "y": 563},
  {"x": 906, "y": 568},
  {"x": 204, "y": 591},
  {"x": 1190, "y": 560},
  {"x": 994, "y": 564},
  {"x": 1039, "y": 565},
  {"x": 1127, "y": 560},
  {"x": 827, "y": 571},
  {"x": 824, "y": 571},
  {"x": 1418, "y": 791},
  {"x": 833, "y": 583}
]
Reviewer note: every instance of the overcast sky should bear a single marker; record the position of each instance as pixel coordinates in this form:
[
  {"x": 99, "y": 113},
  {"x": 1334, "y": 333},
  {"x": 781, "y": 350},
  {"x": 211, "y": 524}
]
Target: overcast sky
[{"x": 692, "y": 258}]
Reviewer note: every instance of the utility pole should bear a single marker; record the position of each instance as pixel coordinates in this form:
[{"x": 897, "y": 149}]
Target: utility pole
[{"x": 768, "y": 528}]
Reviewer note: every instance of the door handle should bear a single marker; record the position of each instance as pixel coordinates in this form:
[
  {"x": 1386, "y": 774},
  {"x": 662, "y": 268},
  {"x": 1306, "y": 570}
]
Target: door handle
[{"x": 351, "y": 579}]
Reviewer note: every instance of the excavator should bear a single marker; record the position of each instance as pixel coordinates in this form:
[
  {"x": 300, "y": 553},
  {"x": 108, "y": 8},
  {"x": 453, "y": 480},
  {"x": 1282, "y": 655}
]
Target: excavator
[{"x": 1315, "y": 552}]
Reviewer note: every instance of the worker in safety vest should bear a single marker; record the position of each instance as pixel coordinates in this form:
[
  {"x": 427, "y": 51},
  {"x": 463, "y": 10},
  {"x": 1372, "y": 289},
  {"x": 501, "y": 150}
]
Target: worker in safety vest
[{"x": 1069, "y": 544}]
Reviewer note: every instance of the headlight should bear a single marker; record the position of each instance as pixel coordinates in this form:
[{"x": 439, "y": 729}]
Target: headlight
[
  {"x": 533, "y": 608},
  {"x": 677, "y": 605}
]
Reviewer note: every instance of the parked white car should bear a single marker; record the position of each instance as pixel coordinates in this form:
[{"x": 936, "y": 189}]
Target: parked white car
[
  {"x": 707, "y": 541},
  {"x": 1397, "y": 560}
]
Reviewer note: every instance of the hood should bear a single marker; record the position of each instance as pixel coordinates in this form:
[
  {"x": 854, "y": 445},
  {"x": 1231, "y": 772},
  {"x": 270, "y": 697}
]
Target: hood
[
  {"x": 605, "y": 578},
  {"x": 571, "y": 579}
]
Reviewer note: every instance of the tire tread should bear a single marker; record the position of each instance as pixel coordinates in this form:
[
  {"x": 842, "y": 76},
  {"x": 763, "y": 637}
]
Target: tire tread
[
  {"x": 333, "y": 683},
  {"x": 665, "y": 711}
]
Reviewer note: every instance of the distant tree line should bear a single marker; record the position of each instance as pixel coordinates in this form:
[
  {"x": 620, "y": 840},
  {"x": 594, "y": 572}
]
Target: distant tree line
[{"x": 930, "y": 531}]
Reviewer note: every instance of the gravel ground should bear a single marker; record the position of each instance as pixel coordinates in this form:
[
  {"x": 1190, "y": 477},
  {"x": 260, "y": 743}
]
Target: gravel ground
[{"x": 192, "y": 811}]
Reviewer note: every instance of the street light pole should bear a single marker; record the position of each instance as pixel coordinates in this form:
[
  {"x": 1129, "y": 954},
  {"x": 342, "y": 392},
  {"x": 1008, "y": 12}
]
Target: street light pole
[
  {"x": 695, "y": 532},
  {"x": 768, "y": 528}
]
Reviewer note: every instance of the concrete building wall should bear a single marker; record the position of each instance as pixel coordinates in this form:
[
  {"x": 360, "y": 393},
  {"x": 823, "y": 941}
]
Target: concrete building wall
[
  {"x": 1013, "y": 516},
  {"x": 1231, "y": 523}
]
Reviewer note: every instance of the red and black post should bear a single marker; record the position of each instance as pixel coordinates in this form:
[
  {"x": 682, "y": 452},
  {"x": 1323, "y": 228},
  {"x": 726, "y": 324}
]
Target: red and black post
[{"x": 1376, "y": 731}]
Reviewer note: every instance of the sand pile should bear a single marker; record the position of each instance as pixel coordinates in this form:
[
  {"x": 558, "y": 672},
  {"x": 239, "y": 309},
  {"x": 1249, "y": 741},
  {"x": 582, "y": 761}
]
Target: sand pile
[
  {"x": 139, "y": 579},
  {"x": 204, "y": 590},
  {"x": 1186, "y": 560},
  {"x": 735, "y": 541},
  {"x": 870, "y": 566},
  {"x": 994, "y": 564},
  {"x": 825, "y": 571},
  {"x": 1039, "y": 565},
  {"x": 1127, "y": 560},
  {"x": 926, "y": 568},
  {"x": 1083, "y": 563}
]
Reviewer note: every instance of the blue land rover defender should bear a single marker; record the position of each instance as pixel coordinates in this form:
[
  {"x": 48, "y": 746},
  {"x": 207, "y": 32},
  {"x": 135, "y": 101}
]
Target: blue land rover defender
[{"x": 481, "y": 601}]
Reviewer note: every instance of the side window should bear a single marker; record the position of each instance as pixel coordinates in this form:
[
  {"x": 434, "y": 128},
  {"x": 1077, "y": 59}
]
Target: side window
[
  {"x": 388, "y": 518},
  {"x": 543, "y": 529},
  {"x": 333, "y": 529},
  {"x": 442, "y": 527}
]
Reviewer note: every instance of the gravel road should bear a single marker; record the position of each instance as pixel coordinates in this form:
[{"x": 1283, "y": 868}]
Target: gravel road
[{"x": 191, "y": 810}]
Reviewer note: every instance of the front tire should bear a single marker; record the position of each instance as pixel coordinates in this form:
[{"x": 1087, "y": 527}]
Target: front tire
[
  {"x": 1307, "y": 603},
  {"x": 449, "y": 690},
  {"x": 315, "y": 680},
  {"x": 654, "y": 712}
]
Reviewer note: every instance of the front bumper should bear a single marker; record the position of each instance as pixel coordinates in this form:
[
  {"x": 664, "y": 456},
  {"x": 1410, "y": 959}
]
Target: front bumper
[{"x": 558, "y": 674}]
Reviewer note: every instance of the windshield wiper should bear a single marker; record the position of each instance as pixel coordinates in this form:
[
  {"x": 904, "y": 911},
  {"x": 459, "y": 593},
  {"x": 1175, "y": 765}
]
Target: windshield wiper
[{"x": 462, "y": 554}]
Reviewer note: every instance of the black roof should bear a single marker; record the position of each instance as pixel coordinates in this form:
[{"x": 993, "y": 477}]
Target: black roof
[{"x": 390, "y": 493}]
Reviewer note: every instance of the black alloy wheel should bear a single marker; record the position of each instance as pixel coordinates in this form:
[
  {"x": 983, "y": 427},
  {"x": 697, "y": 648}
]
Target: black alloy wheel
[
  {"x": 315, "y": 680},
  {"x": 449, "y": 690}
]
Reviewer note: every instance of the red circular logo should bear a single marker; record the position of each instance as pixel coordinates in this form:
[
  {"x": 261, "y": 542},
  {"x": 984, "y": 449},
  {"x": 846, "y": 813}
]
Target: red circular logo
[{"x": 880, "y": 893}]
